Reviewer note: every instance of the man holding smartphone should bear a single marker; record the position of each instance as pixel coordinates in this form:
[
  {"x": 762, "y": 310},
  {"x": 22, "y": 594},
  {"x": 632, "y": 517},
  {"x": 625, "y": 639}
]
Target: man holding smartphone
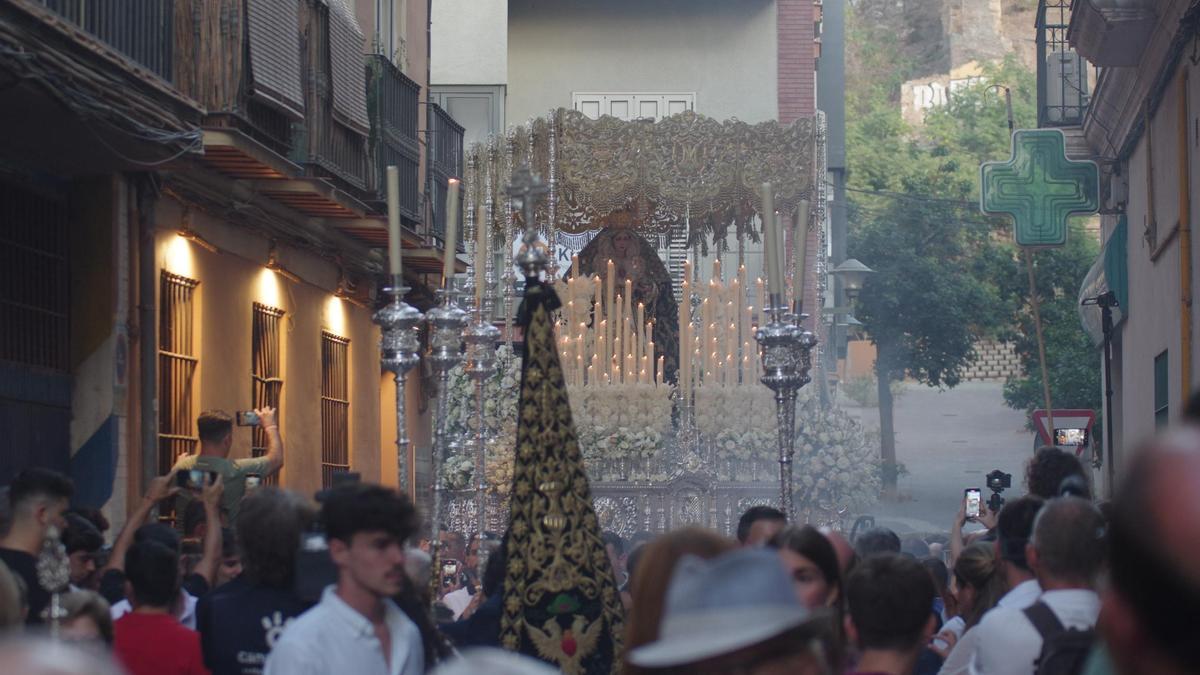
[{"x": 215, "y": 428}]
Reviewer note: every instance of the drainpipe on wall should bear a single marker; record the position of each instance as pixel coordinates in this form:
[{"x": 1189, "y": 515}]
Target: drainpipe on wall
[
  {"x": 147, "y": 197},
  {"x": 1185, "y": 245}
]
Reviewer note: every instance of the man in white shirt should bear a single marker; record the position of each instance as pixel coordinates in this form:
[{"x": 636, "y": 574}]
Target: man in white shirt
[
  {"x": 1014, "y": 526},
  {"x": 356, "y": 628},
  {"x": 1066, "y": 553}
]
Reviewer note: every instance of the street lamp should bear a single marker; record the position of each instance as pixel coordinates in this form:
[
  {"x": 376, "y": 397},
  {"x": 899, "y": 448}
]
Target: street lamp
[{"x": 852, "y": 274}]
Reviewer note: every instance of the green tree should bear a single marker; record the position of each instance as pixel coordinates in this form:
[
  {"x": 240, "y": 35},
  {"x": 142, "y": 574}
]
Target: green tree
[
  {"x": 1071, "y": 359},
  {"x": 945, "y": 274}
]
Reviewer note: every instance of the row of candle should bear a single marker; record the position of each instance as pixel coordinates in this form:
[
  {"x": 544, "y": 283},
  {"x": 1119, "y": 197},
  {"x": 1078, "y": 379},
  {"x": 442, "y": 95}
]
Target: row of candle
[
  {"x": 720, "y": 349},
  {"x": 603, "y": 337}
]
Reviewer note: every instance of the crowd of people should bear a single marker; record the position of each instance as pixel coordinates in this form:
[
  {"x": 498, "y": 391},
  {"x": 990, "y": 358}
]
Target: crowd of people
[{"x": 218, "y": 572}]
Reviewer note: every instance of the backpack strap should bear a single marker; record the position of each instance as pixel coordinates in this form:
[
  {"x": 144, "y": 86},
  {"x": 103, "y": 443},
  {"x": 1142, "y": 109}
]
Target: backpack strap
[{"x": 1044, "y": 619}]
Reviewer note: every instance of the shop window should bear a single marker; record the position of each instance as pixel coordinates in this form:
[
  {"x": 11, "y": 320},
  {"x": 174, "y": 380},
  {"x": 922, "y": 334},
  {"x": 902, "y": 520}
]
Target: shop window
[
  {"x": 335, "y": 407},
  {"x": 177, "y": 362}
]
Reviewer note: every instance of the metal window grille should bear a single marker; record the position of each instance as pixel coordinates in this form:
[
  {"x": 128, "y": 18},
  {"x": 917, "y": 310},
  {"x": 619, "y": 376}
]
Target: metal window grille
[
  {"x": 266, "y": 381},
  {"x": 335, "y": 406},
  {"x": 177, "y": 363},
  {"x": 34, "y": 293},
  {"x": 1061, "y": 73}
]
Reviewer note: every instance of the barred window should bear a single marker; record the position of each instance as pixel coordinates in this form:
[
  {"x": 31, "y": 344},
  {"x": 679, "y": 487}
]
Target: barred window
[
  {"x": 177, "y": 363},
  {"x": 33, "y": 279},
  {"x": 266, "y": 380},
  {"x": 335, "y": 407}
]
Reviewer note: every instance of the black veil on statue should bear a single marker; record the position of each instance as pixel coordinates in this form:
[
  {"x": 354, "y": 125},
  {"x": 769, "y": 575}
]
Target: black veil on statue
[
  {"x": 561, "y": 603},
  {"x": 634, "y": 258}
]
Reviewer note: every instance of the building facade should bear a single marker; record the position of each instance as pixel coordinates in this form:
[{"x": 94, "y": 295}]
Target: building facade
[
  {"x": 1142, "y": 125},
  {"x": 196, "y": 220}
]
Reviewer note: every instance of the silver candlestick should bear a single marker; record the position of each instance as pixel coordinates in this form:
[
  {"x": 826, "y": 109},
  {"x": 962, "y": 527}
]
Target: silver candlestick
[
  {"x": 446, "y": 323},
  {"x": 785, "y": 348},
  {"x": 481, "y": 338},
  {"x": 400, "y": 345},
  {"x": 53, "y": 574}
]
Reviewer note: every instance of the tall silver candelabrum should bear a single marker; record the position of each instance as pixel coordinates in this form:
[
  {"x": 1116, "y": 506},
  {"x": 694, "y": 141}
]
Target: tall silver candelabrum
[
  {"x": 481, "y": 338},
  {"x": 53, "y": 575},
  {"x": 785, "y": 348},
  {"x": 400, "y": 345},
  {"x": 446, "y": 324}
]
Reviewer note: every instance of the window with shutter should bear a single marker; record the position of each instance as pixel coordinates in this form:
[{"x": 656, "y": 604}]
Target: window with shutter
[
  {"x": 274, "y": 36},
  {"x": 632, "y": 106}
]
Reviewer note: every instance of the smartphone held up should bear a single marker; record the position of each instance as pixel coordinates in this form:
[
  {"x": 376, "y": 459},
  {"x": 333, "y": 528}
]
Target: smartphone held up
[
  {"x": 194, "y": 479},
  {"x": 973, "y": 497}
]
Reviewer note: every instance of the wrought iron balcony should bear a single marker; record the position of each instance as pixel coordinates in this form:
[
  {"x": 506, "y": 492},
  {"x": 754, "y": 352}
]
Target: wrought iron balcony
[
  {"x": 447, "y": 141},
  {"x": 394, "y": 102},
  {"x": 141, "y": 30},
  {"x": 446, "y": 160},
  {"x": 1062, "y": 76}
]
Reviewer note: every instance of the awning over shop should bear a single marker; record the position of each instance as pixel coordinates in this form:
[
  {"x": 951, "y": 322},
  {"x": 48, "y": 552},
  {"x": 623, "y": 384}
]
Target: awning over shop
[{"x": 1109, "y": 273}]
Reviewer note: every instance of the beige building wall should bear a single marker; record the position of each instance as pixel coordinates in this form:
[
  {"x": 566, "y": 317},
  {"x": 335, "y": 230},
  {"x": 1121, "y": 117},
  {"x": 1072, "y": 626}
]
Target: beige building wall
[
  {"x": 470, "y": 42},
  {"x": 230, "y": 282},
  {"x": 1153, "y": 322},
  {"x": 723, "y": 51}
]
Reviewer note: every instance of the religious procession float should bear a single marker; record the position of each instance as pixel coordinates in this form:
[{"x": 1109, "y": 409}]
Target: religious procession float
[{"x": 681, "y": 390}]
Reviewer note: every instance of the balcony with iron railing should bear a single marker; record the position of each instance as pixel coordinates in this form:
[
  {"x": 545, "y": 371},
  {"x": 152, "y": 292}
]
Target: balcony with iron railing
[
  {"x": 141, "y": 30},
  {"x": 334, "y": 149},
  {"x": 1062, "y": 76},
  {"x": 446, "y": 158},
  {"x": 394, "y": 104},
  {"x": 447, "y": 141}
]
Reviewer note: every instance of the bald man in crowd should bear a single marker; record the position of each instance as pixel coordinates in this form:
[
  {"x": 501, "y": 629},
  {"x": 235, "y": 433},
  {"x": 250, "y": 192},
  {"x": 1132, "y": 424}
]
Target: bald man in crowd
[{"x": 1152, "y": 607}]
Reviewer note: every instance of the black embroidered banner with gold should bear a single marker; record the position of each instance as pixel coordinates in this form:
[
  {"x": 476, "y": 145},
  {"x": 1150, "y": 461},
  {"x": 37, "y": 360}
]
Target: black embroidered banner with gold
[{"x": 560, "y": 598}]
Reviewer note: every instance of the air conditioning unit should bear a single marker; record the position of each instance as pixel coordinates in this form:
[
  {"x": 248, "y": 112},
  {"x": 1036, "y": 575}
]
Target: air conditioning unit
[{"x": 1066, "y": 85}]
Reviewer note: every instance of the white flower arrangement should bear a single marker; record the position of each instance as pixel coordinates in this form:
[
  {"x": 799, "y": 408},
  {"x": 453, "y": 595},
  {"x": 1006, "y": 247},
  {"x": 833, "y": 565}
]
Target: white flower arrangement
[
  {"x": 624, "y": 429},
  {"x": 836, "y": 465}
]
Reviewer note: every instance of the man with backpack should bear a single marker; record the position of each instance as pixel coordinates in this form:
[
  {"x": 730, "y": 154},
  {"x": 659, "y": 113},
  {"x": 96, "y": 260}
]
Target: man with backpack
[{"x": 1055, "y": 634}]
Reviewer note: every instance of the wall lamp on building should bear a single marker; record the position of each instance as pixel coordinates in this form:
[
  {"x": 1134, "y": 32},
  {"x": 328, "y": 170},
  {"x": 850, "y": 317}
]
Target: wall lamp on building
[
  {"x": 274, "y": 266},
  {"x": 346, "y": 290},
  {"x": 186, "y": 231}
]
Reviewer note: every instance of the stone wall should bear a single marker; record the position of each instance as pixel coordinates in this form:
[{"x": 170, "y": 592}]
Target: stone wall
[{"x": 993, "y": 360}]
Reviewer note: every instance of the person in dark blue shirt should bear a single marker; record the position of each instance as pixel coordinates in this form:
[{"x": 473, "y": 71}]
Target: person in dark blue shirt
[{"x": 239, "y": 622}]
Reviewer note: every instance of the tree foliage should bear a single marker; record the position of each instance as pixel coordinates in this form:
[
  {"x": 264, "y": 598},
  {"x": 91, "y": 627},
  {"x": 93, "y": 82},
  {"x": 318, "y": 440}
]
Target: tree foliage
[{"x": 946, "y": 274}]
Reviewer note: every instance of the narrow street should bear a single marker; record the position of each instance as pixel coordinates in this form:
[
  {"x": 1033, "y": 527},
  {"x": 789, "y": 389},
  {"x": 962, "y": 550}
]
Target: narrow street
[{"x": 948, "y": 441}]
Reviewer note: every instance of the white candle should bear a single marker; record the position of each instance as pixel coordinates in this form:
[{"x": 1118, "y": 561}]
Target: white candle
[
  {"x": 395, "y": 257},
  {"x": 801, "y": 252},
  {"x": 771, "y": 241},
  {"x": 451, "y": 231},
  {"x": 482, "y": 230}
]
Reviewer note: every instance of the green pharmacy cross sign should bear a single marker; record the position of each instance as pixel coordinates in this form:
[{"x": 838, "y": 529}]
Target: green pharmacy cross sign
[{"x": 1040, "y": 187}]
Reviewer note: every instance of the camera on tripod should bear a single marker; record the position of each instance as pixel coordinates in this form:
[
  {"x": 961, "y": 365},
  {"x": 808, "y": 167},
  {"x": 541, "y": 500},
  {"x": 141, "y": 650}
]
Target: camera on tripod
[{"x": 997, "y": 482}]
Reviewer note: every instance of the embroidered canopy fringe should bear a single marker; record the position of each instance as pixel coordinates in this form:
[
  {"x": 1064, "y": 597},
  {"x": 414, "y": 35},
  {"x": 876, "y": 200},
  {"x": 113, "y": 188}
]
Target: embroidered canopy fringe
[{"x": 685, "y": 168}]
